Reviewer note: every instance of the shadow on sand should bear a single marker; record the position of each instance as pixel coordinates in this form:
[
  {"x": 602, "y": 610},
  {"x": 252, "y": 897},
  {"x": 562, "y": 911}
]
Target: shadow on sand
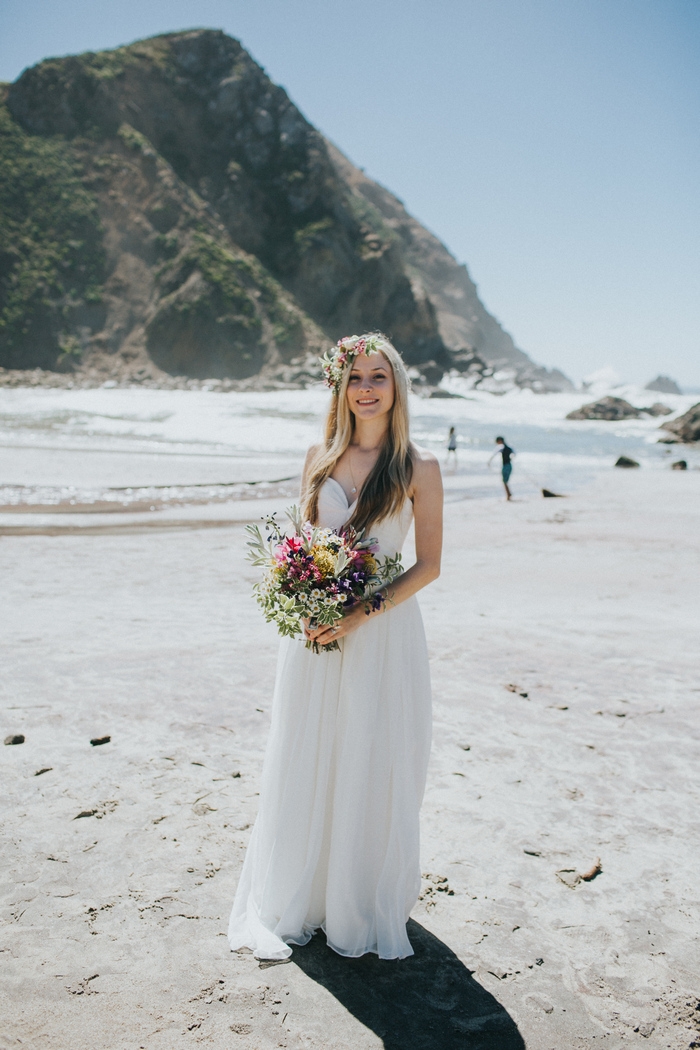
[{"x": 427, "y": 1002}]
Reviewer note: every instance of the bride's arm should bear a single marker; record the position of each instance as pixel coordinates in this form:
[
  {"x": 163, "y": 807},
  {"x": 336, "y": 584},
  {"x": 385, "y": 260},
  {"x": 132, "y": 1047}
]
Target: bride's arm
[{"x": 426, "y": 493}]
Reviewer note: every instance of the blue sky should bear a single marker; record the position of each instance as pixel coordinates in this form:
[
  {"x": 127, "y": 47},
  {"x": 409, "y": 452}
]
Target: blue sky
[{"x": 551, "y": 144}]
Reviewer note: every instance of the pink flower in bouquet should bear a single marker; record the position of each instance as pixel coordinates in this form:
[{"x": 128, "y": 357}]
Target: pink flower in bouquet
[{"x": 287, "y": 549}]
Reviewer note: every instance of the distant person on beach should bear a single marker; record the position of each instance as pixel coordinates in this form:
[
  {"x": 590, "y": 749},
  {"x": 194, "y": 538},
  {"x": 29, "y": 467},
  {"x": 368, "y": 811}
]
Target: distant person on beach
[
  {"x": 452, "y": 445},
  {"x": 506, "y": 452}
]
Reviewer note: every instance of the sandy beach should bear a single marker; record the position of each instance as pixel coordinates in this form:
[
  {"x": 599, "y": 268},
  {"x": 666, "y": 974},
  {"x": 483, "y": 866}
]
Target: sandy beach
[{"x": 563, "y": 639}]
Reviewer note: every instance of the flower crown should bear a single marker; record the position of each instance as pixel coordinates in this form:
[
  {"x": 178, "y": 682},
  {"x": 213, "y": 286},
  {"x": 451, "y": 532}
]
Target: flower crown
[{"x": 347, "y": 349}]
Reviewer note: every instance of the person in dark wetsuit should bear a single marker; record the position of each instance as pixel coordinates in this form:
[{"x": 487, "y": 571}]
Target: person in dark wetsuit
[
  {"x": 506, "y": 453},
  {"x": 452, "y": 445}
]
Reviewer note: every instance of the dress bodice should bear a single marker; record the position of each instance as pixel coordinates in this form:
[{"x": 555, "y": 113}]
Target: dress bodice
[{"x": 334, "y": 511}]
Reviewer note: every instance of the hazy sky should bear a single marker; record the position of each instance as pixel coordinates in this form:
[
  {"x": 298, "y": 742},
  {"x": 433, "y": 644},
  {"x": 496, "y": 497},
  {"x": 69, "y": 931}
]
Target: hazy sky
[{"x": 551, "y": 144}]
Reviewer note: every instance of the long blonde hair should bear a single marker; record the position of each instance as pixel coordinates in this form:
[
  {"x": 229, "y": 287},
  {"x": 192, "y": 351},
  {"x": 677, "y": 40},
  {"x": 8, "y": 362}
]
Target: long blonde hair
[{"x": 387, "y": 484}]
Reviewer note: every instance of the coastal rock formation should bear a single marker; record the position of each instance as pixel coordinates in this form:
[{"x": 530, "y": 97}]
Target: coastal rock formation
[
  {"x": 657, "y": 409},
  {"x": 664, "y": 385},
  {"x": 165, "y": 208},
  {"x": 612, "y": 408},
  {"x": 685, "y": 428}
]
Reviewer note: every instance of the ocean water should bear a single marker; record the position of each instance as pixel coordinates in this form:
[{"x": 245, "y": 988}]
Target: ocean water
[{"x": 87, "y": 445}]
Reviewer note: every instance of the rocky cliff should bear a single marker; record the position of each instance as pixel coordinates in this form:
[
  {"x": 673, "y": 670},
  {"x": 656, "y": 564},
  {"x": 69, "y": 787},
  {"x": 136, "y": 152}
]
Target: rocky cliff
[{"x": 165, "y": 208}]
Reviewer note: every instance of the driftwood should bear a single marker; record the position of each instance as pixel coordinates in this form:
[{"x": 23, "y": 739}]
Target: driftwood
[{"x": 588, "y": 876}]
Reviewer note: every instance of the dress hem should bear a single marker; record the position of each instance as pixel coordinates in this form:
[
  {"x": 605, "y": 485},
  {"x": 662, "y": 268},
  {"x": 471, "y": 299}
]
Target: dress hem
[{"x": 282, "y": 955}]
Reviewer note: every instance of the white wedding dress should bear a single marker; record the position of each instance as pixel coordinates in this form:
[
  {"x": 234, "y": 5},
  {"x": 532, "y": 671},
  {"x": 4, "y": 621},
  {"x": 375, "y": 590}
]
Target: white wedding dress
[{"x": 336, "y": 844}]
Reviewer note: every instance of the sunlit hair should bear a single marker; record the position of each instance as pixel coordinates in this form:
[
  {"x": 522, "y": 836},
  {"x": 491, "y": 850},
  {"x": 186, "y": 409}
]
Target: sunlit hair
[{"x": 387, "y": 485}]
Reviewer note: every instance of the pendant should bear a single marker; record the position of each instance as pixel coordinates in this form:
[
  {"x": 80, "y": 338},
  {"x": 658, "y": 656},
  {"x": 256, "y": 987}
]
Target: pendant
[{"x": 353, "y": 490}]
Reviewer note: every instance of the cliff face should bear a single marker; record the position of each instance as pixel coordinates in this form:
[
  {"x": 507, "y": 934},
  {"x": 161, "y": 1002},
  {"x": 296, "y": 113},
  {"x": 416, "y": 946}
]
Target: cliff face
[{"x": 199, "y": 225}]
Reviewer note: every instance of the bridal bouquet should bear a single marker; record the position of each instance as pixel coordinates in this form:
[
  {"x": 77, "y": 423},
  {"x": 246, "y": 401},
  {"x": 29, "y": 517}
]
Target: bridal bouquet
[{"x": 314, "y": 573}]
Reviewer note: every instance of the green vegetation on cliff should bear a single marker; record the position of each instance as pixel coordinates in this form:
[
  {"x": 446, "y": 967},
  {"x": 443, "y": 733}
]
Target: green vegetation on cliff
[
  {"x": 207, "y": 325},
  {"x": 51, "y": 254},
  {"x": 210, "y": 321}
]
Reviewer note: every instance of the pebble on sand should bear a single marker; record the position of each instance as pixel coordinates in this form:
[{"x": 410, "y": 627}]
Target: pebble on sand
[
  {"x": 625, "y": 461},
  {"x": 512, "y": 688},
  {"x": 15, "y": 738},
  {"x": 97, "y": 740}
]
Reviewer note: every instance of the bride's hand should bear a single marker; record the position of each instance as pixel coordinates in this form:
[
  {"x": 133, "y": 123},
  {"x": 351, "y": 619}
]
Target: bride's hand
[{"x": 324, "y": 635}]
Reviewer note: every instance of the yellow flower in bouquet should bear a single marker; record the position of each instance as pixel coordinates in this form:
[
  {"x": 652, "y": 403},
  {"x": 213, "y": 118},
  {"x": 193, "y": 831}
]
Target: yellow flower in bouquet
[{"x": 324, "y": 560}]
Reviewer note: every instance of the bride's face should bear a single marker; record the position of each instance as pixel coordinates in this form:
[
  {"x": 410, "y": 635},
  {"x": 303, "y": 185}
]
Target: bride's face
[{"x": 370, "y": 386}]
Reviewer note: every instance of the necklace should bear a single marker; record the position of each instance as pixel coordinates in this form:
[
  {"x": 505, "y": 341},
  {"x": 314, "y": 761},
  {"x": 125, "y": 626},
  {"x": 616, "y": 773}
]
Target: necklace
[
  {"x": 354, "y": 486},
  {"x": 352, "y": 476}
]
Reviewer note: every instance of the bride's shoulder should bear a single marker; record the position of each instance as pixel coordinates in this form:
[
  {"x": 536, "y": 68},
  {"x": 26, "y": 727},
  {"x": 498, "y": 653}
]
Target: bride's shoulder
[
  {"x": 426, "y": 468},
  {"x": 423, "y": 459},
  {"x": 311, "y": 457},
  {"x": 313, "y": 453}
]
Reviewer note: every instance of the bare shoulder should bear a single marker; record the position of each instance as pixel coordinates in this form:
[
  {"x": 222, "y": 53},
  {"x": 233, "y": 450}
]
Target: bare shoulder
[
  {"x": 426, "y": 470},
  {"x": 424, "y": 461},
  {"x": 311, "y": 457},
  {"x": 312, "y": 453}
]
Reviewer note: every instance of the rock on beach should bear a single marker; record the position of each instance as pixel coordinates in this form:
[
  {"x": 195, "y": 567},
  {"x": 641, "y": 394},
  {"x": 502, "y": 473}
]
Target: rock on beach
[
  {"x": 612, "y": 408},
  {"x": 685, "y": 428}
]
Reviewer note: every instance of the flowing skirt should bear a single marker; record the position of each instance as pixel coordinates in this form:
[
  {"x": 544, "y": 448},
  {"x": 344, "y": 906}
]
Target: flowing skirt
[{"x": 336, "y": 842}]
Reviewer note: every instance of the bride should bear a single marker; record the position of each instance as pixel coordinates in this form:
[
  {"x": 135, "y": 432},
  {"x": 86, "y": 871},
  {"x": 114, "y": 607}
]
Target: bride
[{"x": 335, "y": 845}]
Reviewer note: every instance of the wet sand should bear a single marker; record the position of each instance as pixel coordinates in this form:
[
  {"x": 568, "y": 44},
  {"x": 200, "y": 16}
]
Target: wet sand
[{"x": 563, "y": 637}]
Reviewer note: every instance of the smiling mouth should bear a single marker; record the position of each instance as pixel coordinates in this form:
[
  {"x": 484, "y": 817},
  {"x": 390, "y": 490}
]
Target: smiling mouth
[{"x": 367, "y": 400}]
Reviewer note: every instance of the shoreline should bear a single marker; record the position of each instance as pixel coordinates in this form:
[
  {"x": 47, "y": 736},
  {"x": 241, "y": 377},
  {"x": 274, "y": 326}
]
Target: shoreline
[{"x": 38, "y": 378}]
